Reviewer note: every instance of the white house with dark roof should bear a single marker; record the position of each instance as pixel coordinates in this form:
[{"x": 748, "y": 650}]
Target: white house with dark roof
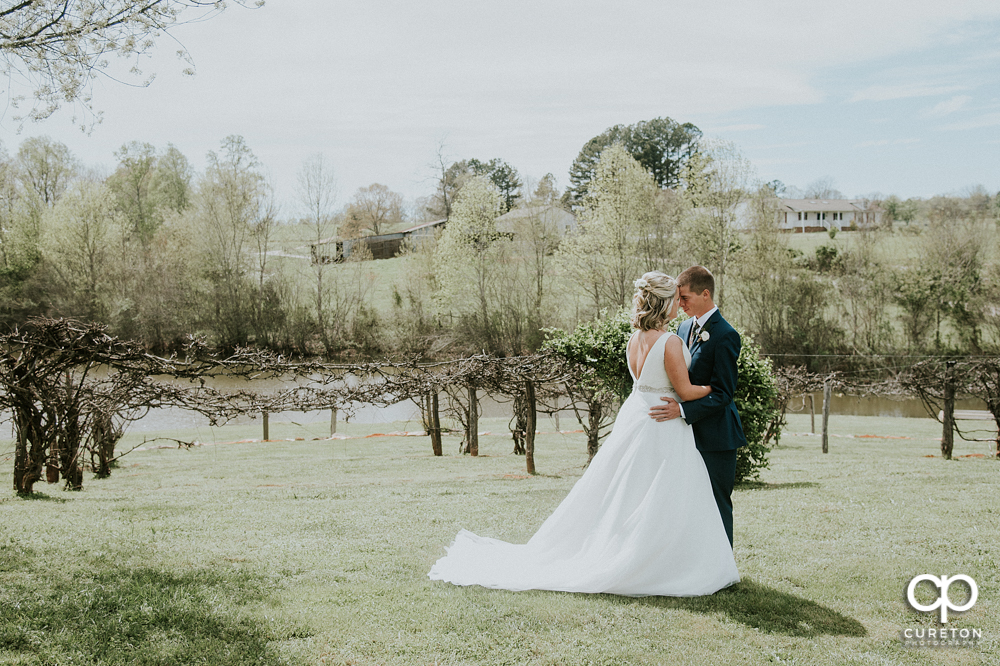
[{"x": 803, "y": 215}]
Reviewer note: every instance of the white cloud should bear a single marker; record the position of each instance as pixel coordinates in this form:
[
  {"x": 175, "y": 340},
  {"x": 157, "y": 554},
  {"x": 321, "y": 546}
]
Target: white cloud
[
  {"x": 777, "y": 161},
  {"x": 734, "y": 128},
  {"x": 985, "y": 120},
  {"x": 949, "y": 106},
  {"x": 885, "y": 142},
  {"x": 780, "y": 146},
  {"x": 885, "y": 93}
]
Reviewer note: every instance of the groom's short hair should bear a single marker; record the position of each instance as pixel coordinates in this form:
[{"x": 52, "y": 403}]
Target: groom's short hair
[{"x": 697, "y": 279}]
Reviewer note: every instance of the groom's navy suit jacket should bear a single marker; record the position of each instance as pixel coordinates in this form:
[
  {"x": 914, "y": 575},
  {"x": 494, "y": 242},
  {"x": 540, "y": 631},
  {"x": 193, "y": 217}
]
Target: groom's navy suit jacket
[{"x": 714, "y": 419}]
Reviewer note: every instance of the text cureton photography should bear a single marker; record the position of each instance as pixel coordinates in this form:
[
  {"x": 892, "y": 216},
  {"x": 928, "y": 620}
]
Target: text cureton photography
[{"x": 940, "y": 636}]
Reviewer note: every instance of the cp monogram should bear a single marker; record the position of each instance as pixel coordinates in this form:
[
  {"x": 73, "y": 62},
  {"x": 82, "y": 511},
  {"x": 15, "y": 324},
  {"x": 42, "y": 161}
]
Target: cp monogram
[{"x": 943, "y": 602}]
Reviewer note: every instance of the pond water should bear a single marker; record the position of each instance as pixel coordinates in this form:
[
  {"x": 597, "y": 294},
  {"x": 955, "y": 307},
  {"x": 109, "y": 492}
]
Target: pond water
[
  {"x": 852, "y": 405},
  {"x": 166, "y": 419},
  {"x": 407, "y": 410}
]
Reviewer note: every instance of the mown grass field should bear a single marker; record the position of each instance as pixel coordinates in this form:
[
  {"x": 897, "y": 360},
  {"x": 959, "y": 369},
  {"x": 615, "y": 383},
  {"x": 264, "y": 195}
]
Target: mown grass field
[{"x": 316, "y": 552}]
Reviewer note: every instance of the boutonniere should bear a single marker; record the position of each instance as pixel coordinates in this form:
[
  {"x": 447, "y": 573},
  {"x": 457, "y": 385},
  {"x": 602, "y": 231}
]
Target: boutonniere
[{"x": 703, "y": 335}]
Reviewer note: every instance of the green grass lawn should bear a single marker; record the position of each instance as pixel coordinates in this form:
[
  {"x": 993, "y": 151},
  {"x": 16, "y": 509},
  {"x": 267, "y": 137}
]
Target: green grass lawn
[
  {"x": 294, "y": 239},
  {"x": 897, "y": 247},
  {"x": 317, "y": 552},
  {"x": 901, "y": 246},
  {"x": 383, "y": 275}
]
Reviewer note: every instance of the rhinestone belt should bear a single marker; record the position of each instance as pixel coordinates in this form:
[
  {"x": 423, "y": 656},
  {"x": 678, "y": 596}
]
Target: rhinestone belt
[{"x": 645, "y": 388}]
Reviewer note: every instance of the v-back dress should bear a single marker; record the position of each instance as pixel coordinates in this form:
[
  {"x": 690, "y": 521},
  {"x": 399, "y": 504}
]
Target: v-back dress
[{"x": 641, "y": 521}]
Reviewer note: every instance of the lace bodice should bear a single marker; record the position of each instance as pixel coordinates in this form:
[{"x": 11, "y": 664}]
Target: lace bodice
[{"x": 653, "y": 376}]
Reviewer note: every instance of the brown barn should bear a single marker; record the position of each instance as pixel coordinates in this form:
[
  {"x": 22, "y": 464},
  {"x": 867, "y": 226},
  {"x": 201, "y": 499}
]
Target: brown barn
[{"x": 383, "y": 246}]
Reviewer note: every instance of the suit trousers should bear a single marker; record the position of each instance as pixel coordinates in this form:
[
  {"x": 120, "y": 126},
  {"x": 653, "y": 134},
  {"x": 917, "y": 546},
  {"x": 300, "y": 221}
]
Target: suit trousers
[{"x": 721, "y": 467}]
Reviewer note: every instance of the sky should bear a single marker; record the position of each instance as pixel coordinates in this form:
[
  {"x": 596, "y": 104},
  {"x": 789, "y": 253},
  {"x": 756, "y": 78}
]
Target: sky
[{"x": 880, "y": 96}]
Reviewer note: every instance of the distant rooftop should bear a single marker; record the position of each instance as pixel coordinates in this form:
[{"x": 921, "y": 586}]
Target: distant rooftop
[
  {"x": 531, "y": 211},
  {"x": 433, "y": 223},
  {"x": 823, "y": 205}
]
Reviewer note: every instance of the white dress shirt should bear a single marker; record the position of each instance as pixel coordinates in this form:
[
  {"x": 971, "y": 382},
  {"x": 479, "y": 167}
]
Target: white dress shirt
[{"x": 700, "y": 322}]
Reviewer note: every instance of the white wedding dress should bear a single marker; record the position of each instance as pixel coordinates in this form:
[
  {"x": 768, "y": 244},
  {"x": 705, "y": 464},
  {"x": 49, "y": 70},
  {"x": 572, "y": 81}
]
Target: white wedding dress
[{"x": 641, "y": 521}]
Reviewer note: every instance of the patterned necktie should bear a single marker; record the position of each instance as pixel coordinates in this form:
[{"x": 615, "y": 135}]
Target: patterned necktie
[{"x": 694, "y": 333}]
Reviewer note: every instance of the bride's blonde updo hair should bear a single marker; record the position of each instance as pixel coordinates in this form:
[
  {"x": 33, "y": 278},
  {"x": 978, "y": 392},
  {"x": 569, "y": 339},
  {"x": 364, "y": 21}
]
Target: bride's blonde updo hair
[{"x": 654, "y": 292}]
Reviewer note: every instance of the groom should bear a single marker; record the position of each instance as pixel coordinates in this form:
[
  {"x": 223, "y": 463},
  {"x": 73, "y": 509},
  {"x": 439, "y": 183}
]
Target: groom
[{"x": 715, "y": 346}]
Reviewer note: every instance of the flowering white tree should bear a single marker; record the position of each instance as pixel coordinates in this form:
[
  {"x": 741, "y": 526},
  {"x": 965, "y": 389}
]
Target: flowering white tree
[
  {"x": 83, "y": 242},
  {"x": 317, "y": 191},
  {"x": 235, "y": 216},
  {"x": 719, "y": 182},
  {"x": 605, "y": 256},
  {"x": 478, "y": 281}
]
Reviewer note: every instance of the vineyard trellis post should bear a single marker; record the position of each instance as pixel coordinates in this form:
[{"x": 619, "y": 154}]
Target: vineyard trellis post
[
  {"x": 948, "y": 420},
  {"x": 529, "y": 431},
  {"x": 435, "y": 418},
  {"x": 826, "y": 415},
  {"x": 472, "y": 427},
  {"x": 520, "y": 422},
  {"x": 812, "y": 413}
]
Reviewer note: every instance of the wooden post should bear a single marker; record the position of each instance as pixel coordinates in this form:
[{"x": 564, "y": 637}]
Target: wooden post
[
  {"x": 555, "y": 414},
  {"x": 948, "y": 432},
  {"x": 435, "y": 419},
  {"x": 52, "y": 467},
  {"x": 20, "y": 455},
  {"x": 267, "y": 435},
  {"x": 425, "y": 413},
  {"x": 812, "y": 412},
  {"x": 595, "y": 412},
  {"x": 826, "y": 416},
  {"x": 472, "y": 436},
  {"x": 333, "y": 421},
  {"x": 529, "y": 434}
]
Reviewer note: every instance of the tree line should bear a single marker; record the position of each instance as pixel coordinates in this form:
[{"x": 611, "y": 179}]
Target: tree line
[{"x": 158, "y": 252}]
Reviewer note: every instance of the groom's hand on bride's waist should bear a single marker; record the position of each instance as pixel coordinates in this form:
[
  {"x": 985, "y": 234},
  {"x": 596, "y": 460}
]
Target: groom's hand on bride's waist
[{"x": 668, "y": 410}]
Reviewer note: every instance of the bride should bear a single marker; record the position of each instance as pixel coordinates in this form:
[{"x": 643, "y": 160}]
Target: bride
[{"x": 642, "y": 520}]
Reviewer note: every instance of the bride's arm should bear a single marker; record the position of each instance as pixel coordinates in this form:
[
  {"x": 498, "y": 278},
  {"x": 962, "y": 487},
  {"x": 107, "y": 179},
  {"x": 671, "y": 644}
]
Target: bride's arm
[{"x": 673, "y": 363}]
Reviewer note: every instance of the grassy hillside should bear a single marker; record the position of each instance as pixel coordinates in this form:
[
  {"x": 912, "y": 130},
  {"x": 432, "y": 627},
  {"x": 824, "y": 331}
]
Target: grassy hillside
[
  {"x": 891, "y": 255},
  {"x": 316, "y": 552}
]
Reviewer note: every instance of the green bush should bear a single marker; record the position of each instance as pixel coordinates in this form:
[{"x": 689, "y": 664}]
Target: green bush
[
  {"x": 600, "y": 345},
  {"x": 756, "y": 400},
  {"x": 827, "y": 258}
]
